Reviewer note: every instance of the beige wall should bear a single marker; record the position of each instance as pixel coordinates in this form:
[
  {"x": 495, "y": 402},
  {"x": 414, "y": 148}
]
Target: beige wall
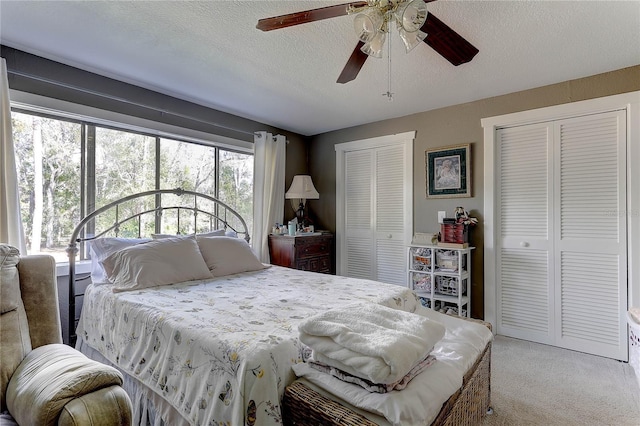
[{"x": 451, "y": 126}]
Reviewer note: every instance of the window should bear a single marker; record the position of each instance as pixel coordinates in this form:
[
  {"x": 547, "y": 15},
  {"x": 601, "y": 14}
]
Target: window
[{"x": 68, "y": 168}]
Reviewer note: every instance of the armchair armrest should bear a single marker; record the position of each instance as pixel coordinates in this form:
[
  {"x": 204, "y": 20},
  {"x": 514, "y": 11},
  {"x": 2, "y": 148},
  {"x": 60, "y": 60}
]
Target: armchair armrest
[
  {"x": 107, "y": 406},
  {"x": 52, "y": 376}
]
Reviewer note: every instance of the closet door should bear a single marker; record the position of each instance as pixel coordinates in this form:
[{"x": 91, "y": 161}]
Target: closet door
[
  {"x": 374, "y": 207},
  {"x": 525, "y": 226},
  {"x": 561, "y": 252},
  {"x": 590, "y": 241},
  {"x": 390, "y": 225},
  {"x": 358, "y": 257}
]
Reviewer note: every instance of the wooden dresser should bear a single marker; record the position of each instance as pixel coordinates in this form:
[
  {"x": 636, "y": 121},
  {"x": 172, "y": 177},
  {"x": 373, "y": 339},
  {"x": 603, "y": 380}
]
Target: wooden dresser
[{"x": 306, "y": 252}]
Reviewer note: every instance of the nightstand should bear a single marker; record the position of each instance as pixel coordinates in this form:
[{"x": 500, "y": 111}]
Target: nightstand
[{"x": 305, "y": 252}]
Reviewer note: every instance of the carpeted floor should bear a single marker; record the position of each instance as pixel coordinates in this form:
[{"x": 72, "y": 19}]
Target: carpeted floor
[{"x": 534, "y": 384}]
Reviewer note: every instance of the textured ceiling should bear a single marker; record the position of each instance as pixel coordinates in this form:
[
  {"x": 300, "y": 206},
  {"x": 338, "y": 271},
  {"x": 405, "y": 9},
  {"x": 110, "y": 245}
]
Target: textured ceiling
[{"x": 210, "y": 52}]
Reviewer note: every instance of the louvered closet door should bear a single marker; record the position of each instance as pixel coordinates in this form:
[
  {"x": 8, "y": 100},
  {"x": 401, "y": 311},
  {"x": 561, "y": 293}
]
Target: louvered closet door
[
  {"x": 562, "y": 225},
  {"x": 359, "y": 232},
  {"x": 590, "y": 243},
  {"x": 389, "y": 215},
  {"x": 375, "y": 223},
  {"x": 524, "y": 255}
]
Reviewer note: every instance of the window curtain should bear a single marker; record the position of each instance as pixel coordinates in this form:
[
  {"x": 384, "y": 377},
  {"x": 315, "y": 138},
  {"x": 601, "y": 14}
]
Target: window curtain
[
  {"x": 268, "y": 189},
  {"x": 11, "y": 231}
]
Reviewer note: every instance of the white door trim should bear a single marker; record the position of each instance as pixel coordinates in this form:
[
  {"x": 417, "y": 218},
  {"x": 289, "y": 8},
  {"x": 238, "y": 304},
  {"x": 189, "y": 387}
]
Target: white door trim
[
  {"x": 630, "y": 102},
  {"x": 406, "y": 139}
]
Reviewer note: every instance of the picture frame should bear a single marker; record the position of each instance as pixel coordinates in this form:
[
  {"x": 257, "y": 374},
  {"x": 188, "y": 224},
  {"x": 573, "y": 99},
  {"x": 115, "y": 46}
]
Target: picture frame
[{"x": 448, "y": 171}]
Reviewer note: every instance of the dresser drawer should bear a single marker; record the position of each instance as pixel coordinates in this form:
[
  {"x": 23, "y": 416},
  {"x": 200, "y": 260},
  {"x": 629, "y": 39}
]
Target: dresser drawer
[
  {"x": 308, "y": 253},
  {"x": 312, "y": 246},
  {"x": 315, "y": 264}
]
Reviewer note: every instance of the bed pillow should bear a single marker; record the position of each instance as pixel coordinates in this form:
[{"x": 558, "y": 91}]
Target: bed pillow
[
  {"x": 228, "y": 255},
  {"x": 158, "y": 262},
  {"x": 100, "y": 248},
  {"x": 216, "y": 233}
]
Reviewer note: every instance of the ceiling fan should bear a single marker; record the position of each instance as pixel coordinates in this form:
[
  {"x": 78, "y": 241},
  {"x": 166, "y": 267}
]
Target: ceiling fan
[{"x": 372, "y": 22}]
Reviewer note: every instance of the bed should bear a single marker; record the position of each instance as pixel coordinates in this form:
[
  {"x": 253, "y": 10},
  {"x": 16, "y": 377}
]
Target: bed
[{"x": 220, "y": 349}]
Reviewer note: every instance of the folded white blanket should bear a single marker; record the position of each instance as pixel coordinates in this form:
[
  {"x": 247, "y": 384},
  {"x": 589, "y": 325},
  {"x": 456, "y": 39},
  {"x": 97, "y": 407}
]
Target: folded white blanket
[{"x": 371, "y": 341}]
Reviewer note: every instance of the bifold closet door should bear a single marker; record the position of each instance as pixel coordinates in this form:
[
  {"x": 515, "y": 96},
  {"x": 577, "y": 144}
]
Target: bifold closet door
[
  {"x": 524, "y": 246},
  {"x": 358, "y": 258},
  {"x": 562, "y": 249},
  {"x": 375, "y": 224},
  {"x": 590, "y": 238}
]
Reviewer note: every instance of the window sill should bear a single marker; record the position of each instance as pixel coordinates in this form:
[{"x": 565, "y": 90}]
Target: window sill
[{"x": 82, "y": 267}]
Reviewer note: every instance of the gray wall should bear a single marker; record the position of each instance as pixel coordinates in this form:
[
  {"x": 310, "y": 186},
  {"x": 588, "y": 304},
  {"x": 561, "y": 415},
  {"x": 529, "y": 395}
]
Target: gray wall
[
  {"x": 451, "y": 126},
  {"x": 40, "y": 76},
  {"x": 315, "y": 155}
]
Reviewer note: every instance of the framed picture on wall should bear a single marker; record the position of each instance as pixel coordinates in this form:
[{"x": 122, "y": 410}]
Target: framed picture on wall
[{"x": 448, "y": 171}]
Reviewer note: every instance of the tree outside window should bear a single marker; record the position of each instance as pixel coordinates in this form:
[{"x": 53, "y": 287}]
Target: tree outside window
[{"x": 52, "y": 153}]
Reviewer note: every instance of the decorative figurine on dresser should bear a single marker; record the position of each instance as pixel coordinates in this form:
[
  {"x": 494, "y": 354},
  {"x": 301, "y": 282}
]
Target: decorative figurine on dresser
[{"x": 305, "y": 251}]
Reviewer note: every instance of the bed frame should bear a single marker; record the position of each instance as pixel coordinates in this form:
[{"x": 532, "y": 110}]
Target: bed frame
[
  {"x": 188, "y": 210},
  {"x": 301, "y": 405}
]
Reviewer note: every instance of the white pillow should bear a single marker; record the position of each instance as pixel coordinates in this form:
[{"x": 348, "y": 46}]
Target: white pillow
[
  {"x": 228, "y": 255},
  {"x": 216, "y": 233},
  {"x": 100, "y": 248},
  {"x": 158, "y": 262}
]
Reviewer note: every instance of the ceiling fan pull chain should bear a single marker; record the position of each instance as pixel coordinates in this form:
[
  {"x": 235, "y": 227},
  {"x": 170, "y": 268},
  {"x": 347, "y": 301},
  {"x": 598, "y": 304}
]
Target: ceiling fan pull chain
[{"x": 389, "y": 94}]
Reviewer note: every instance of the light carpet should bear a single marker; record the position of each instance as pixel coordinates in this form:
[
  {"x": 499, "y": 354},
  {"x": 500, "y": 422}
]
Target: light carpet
[{"x": 534, "y": 384}]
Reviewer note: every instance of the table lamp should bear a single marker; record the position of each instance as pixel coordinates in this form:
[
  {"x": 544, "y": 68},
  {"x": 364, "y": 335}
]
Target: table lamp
[{"x": 299, "y": 192}]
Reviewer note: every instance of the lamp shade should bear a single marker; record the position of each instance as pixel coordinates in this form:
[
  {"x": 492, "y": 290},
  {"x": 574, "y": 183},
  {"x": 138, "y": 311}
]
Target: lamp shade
[
  {"x": 302, "y": 187},
  {"x": 375, "y": 45},
  {"x": 368, "y": 23},
  {"x": 412, "y": 15},
  {"x": 411, "y": 39}
]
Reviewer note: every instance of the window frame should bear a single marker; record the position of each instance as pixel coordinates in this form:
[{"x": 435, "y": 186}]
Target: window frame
[{"x": 91, "y": 119}]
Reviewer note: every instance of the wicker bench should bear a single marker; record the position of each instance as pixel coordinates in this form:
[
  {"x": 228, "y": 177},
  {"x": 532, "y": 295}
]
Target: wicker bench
[{"x": 304, "y": 406}]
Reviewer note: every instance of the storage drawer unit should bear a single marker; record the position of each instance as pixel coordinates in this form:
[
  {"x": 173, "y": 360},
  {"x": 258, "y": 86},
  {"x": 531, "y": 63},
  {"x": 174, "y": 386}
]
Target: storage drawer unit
[
  {"x": 305, "y": 252},
  {"x": 440, "y": 276}
]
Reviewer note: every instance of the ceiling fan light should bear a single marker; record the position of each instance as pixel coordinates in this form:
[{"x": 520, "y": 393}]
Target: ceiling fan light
[
  {"x": 375, "y": 45},
  {"x": 367, "y": 24},
  {"x": 412, "y": 15},
  {"x": 411, "y": 39}
]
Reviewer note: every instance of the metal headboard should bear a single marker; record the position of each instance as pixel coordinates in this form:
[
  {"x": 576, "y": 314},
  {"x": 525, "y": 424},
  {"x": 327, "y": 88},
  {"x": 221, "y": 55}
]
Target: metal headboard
[{"x": 223, "y": 217}]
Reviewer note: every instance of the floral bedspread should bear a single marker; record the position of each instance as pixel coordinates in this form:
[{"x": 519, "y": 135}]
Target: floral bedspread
[{"x": 220, "y": 351}]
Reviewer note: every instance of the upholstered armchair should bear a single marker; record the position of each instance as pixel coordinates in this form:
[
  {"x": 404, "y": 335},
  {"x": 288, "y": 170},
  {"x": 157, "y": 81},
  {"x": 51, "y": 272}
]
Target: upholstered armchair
[{"x": 42, "y": 381}]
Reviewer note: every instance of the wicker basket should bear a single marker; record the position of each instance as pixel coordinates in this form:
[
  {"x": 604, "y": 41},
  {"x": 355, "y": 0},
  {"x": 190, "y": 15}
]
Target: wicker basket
[{"x": 467, "y": 406}]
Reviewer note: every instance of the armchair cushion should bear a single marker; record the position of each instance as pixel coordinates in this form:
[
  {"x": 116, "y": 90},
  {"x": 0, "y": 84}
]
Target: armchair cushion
[
  {"x": 10, "y": 287},
  {"x": 49, "y": 377},
  {"x": 15, "y": 341}
]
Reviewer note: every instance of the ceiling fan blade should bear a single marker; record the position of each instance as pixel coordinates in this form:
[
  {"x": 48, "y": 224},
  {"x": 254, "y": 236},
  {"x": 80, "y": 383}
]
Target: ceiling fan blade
[
  {"x": 354, "y": 64},
  {"x": 448, "y": 43},
  {"x": 283, "y": 21}
]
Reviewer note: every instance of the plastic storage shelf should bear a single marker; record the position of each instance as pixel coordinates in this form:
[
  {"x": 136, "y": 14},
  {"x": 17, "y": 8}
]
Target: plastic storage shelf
[{"x": 440, "y": 277}]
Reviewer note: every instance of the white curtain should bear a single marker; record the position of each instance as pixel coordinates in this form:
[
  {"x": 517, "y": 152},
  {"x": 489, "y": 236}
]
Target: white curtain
[
  {"x": 268, "y": 189},
  {"x": 11, "y": 231}
]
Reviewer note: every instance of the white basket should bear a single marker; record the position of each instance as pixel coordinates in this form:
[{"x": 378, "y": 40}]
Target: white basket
[
  {"x": 422, "y": 282},
  {"x": 450, "y": 286},
  {"x": 634, "y": 345}
]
